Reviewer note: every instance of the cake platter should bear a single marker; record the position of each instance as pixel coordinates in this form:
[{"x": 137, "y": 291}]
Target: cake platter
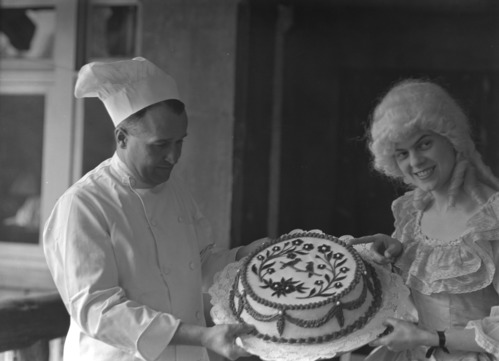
[{"x": 394, "y": 304}]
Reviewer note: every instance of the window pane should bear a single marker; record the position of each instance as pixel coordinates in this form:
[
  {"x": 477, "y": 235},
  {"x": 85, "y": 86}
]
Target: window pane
[
  {"x": 27, "y": 33},
  {"x": 98, "y": 134},
  {"x": 112, "y": 31},
  {"x": 21, "y": 146}
]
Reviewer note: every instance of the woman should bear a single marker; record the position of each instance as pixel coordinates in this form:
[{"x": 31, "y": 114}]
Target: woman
[{"x": 446, "y": 239}]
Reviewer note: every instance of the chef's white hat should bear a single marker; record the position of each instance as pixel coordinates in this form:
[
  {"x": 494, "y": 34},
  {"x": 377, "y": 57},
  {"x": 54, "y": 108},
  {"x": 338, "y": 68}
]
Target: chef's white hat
[{"x": 126, "y": 86}]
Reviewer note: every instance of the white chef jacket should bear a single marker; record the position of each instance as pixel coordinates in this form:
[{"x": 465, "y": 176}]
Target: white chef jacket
[{"x": 130, "y": 265}]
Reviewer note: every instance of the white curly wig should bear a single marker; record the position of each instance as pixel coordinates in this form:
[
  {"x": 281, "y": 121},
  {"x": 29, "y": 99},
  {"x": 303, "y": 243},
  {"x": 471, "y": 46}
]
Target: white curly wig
[{"x": 415, "y": 105}]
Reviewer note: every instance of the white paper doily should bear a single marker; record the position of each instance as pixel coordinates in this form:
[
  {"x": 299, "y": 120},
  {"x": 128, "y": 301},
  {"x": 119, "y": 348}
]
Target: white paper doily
[{"x": 395, "y": 296}]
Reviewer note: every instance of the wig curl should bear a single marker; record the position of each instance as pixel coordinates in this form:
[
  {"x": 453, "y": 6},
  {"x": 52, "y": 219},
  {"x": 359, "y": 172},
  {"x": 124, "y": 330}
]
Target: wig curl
[{"x": 416, "y": 105}]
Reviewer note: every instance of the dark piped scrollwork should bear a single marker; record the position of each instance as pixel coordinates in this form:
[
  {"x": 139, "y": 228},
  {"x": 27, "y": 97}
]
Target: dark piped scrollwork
[
  {"x": 366, "y": 272},
  {"x": 329, "y": 264}
]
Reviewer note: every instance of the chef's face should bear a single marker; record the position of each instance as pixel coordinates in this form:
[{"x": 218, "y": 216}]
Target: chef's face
[{"x": 153, "y": 148}]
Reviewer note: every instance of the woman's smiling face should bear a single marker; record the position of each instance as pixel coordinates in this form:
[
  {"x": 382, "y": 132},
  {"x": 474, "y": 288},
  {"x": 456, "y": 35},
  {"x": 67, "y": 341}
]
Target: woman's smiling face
[{"x": 426, "y": 160}]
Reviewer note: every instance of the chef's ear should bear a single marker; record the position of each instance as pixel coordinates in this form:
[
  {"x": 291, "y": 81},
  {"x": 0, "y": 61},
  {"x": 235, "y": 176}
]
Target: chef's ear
[{"x": 120, "y": 135}]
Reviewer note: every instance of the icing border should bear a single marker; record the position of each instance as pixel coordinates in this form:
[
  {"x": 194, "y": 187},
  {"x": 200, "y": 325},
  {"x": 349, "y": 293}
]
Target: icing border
[{"x": 375, "y": 288}]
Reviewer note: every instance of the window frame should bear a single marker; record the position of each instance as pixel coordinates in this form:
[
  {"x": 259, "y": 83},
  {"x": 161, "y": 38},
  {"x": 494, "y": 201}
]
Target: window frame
[{"x": 23, "y": 266}]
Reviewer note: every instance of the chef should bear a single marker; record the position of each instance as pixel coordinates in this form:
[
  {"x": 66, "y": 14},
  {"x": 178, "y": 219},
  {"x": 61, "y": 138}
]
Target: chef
[{"x": 127, "y": 246}]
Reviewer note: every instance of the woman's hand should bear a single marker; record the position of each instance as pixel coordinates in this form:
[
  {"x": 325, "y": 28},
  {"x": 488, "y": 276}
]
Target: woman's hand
[
  {"x": 246, "y": 250},
  {"x": 222, "y": 340},
  {"x": 404, "y": 335},
  {"x": 384, "y": 249}
]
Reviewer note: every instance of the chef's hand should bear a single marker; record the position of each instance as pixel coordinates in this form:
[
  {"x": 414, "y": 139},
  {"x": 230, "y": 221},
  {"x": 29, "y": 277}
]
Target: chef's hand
[
  {"x": 221, "y": 339},
  {"x": 246, "y": 250},
  {"x": 403, "y": 335},
  {"x": 384, "y": 249}
]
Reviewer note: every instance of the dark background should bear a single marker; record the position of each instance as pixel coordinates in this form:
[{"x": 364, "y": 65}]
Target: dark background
[{"x": 337, "y": 60}]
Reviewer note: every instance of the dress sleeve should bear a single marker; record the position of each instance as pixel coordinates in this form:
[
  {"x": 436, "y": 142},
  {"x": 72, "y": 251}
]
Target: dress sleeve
[
  {"x": 81, "y": 259},
  {"x": 487, "y": 329}
]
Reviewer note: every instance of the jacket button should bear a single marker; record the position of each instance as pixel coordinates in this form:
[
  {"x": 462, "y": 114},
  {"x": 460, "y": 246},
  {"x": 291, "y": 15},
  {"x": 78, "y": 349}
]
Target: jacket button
[
  {"x": 166, "y": 270},
  {"x": 192, "y": 265}
]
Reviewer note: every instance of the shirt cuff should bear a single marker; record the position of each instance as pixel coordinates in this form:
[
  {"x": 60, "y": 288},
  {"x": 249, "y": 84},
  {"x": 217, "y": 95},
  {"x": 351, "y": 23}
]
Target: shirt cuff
[{"x": 157, "y": 336}]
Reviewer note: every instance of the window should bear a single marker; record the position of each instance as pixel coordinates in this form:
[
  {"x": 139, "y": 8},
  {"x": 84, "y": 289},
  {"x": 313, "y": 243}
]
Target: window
[
  {"x": 112, "y": 31},
  {"x": 27, "y": 34},
  {"x": 21, "y": 146},
  {"x": 47, "y": 137}
]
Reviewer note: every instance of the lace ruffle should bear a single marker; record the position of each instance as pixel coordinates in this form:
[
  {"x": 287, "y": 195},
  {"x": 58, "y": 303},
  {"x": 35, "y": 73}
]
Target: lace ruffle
[
  {"x": 432, "y": 266},
  {"x": 487, "y": 332},
  {"x": 405, "y": 213}
]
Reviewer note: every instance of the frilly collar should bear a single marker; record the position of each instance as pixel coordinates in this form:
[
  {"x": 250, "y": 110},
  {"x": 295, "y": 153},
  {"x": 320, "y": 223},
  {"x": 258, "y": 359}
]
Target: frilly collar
[{"x": 463, "y": 265}]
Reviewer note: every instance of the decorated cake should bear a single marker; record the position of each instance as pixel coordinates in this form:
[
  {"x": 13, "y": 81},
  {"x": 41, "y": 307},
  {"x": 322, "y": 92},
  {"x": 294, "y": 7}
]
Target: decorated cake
[{"x": 305, "y": 287}]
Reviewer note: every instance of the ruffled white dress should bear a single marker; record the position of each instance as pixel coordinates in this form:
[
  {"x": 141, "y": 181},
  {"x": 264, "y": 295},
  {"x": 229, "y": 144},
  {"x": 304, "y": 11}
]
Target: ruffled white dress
[{"x": 453, "y": 284}]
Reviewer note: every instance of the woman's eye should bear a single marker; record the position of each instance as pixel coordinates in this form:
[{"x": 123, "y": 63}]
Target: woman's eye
[
  {"x": 400, "y": 156},
  {"x": 426, "y": 144}
]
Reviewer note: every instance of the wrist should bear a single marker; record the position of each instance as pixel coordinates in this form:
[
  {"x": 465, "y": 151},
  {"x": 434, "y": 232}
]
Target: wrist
[
  {"x": 441, "y": 343},
  {"x": 187, "y": 334},
  {"x": 430, "y": 339},
  {"x": 212, "y": 338},
  {"x": 203, "y": 336}
]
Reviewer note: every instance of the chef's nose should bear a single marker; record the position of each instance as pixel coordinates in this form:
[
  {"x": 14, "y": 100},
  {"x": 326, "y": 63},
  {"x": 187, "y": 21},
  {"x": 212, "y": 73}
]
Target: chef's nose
[{"x": 172, "y": 154}]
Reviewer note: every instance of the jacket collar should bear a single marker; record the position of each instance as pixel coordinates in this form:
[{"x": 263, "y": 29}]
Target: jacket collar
[{"x": 127, "y": 178}]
